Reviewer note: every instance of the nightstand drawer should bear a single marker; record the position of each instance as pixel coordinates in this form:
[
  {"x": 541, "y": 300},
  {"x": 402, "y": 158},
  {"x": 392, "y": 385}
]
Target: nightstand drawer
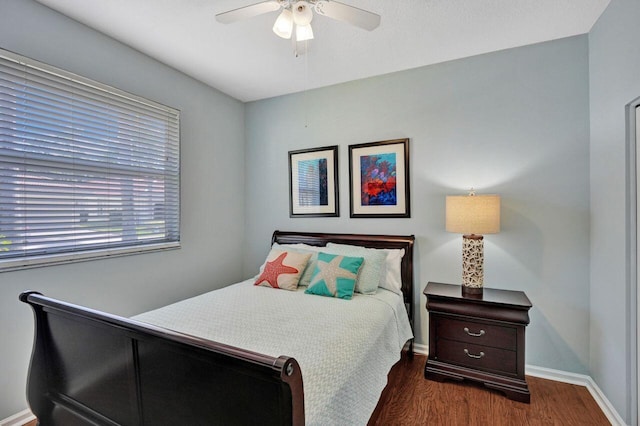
[
  {"x": 477, "y": 333},
  {"x": 477, "y": 356}
]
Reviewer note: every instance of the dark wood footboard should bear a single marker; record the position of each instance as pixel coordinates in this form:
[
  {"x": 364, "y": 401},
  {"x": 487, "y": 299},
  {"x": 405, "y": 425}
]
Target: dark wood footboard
[{"x": 92, "y": 368}]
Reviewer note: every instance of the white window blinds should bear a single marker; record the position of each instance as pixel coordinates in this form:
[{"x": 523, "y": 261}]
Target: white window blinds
[{"x": 86, "y": 170}]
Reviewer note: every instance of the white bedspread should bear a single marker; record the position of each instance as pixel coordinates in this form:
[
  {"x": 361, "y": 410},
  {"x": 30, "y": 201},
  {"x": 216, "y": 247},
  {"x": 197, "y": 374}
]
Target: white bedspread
[{"x": 345, "y": 348}]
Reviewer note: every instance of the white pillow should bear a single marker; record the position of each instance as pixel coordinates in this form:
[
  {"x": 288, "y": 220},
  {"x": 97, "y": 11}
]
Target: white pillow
[
  {"x": 391, "y": 278},
  {"x": 390, "y": 273},
  {"x": 301, "y": 246}
]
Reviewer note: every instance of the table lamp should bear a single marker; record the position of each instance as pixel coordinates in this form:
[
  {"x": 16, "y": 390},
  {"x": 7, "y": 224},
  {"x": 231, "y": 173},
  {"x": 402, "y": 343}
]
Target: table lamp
[{"x": 473, "y": 215}]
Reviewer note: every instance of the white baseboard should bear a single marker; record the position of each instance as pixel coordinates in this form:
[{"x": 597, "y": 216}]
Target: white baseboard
[
  {"x": 421, "y": 349},
  {"x": 581, "y": 380},
  {"x": 19, "y": 419},
  {"x": 565, "y": 377}
]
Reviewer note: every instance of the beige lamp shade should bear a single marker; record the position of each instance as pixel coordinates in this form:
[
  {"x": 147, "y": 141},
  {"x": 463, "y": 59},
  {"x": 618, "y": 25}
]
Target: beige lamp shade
[{"x": 473, "y": 214}]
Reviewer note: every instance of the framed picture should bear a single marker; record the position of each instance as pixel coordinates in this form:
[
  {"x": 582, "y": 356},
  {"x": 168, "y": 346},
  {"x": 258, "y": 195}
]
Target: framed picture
[
  {"x": 313, "y": 182},
  {"x": 379, "y": 179}
]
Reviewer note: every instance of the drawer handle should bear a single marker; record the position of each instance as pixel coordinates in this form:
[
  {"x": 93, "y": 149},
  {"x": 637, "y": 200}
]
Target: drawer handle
[
  {"x": 466, "y": 330},
  {"x": 466, "y": 351}
]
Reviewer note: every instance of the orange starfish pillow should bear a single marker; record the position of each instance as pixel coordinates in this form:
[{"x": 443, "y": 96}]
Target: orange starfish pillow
[{"x": 283, "y": 269}]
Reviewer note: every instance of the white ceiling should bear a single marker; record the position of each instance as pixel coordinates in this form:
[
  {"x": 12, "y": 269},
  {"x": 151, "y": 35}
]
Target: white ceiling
[{"x": 247, "y": 61}]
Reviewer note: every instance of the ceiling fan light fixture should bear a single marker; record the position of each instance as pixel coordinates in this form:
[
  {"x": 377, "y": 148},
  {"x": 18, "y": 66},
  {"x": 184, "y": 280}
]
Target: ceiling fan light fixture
[
  {"x": 304, "y": 32},
  {"x": 302, "y": 13},
  {"x": 299, "y": 13},
  {"x": 283, "y": 26}
]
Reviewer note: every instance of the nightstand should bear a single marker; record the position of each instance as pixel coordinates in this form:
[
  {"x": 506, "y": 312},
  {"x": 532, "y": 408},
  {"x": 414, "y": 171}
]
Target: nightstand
[{"x": 479, "y": 338}]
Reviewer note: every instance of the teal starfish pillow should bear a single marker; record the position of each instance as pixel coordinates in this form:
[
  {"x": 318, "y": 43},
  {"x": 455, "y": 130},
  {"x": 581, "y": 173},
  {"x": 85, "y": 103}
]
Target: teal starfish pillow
[{"x": 335, "y": 276}]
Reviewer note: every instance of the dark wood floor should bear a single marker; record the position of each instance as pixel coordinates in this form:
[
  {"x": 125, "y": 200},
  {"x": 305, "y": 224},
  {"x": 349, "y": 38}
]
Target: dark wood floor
[{"x": 412, "y": 400}]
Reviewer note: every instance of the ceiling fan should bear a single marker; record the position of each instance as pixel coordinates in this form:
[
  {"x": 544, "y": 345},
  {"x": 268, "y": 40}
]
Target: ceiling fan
[{"x": 299, "y": 13}]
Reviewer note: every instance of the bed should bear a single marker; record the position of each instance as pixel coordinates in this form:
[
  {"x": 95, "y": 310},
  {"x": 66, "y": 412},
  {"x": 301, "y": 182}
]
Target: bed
[{"x": 230, "y": 356}]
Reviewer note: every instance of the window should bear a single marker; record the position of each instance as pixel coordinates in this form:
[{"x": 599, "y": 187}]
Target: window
[
  {"x": 86, "y": 170},
  {"x": 312, "y": 182}
]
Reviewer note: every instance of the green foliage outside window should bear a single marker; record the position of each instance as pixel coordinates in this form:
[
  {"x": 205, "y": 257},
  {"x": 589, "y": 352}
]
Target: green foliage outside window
[{"x": 4, "y": 244}]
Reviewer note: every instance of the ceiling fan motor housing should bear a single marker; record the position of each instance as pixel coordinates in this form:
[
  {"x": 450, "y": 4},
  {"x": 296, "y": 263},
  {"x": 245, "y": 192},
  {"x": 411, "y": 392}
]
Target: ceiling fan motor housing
[{"x": 302, "y": 13}]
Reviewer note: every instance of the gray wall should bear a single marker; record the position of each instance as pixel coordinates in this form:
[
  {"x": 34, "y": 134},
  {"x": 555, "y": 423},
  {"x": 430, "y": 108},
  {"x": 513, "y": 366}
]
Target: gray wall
[
  {"x": 614, "y": 68},
  {"x": 212, "y": 176},
  {"x": 514, "y": 122}
]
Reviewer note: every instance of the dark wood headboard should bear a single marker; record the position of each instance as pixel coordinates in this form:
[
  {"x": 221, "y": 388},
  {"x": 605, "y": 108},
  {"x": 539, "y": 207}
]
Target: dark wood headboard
[{"x": 405, "y": 242}]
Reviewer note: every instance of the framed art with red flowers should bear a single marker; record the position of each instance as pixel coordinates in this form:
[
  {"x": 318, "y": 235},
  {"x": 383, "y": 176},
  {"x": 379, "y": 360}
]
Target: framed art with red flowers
[
  {"x": 379, "y": 179},
  {"x": 313, "y": 182}
]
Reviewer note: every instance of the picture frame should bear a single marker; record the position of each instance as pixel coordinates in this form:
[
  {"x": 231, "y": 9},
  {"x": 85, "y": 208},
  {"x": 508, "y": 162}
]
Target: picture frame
[
  {"x": 379, "y": 179},
  {"x": 313, "y": 182}
]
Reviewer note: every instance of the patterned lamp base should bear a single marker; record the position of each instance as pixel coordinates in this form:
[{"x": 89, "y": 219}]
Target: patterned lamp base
[{"x": 472, "y": 264}]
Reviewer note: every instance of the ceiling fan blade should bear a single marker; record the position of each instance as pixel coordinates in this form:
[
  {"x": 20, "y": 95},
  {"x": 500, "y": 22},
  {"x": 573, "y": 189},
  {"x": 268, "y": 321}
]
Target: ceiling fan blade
[
  {"x": 248, "y": 11},
  {"x": 352, "y": 15}
]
